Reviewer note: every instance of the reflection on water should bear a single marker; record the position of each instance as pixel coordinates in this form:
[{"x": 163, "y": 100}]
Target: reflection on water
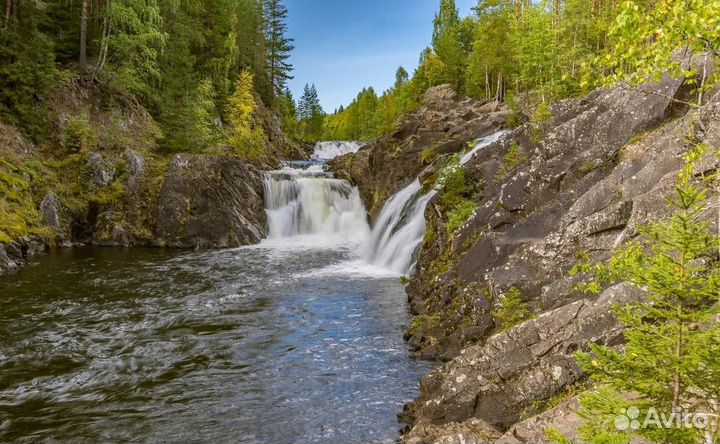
[{"x": 235, "y": 346}]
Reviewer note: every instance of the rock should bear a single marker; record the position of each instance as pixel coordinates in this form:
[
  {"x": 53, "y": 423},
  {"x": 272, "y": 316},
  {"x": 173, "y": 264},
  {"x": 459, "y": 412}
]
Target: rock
[
  {"x": 473, "y": 431},
  {"x": 50, "y": 209},
  {"x": 443, "y": 126},
  {"x": 585, "y": 181},
  {"x": 16, "y": 254},
  {"x": 136, "y": 167},
  {"x": 563, "y": 418},
  {"x": 102, "y": 172},
  {"x": 517, "y": 370},
  {"x": 210, "y": 202}
]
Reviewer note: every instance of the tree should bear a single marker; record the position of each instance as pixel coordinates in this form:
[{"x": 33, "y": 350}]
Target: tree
[
  {"x": 83, "y": 35},
  {"x": 651, "y": 38},
  {"x": 246, "y": 136},
  {"x": 130, "y": 47},
  {"x": 310, "y": 113},
  {"x": 279, "y": 47},
  {"x": 670, "y": 359},
  {"x": 401, "y": 78},
  {"x": 446, "y": 43}
]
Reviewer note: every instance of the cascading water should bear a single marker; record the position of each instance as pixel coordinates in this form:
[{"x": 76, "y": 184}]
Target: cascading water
[
  {"x": 400, "y": 227},
  {"x": 303, "y": 199},
  {"x": 329, "y": 150}
]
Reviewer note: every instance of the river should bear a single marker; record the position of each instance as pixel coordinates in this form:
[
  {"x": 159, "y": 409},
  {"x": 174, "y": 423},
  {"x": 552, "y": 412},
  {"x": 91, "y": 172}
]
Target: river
[{"x": 298, "y": 339}]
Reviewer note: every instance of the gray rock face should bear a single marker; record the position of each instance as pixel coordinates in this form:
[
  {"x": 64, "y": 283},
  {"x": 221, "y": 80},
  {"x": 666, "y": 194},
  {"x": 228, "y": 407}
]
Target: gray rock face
[
  {"x": 581, "y": 188},
  {"x": 563, "y": 418},
  {"x": 516, "y": 370},
  {"x": 136, "y": 167},
  {"x": 50, "y": 209},
  {"x": 444, "y": 125},
  {"x": 102, "y": 172},
  {"x": 598, "y": 171},
  {"x": 210, "y": 202},
  {"x": 16, "y": 254}
]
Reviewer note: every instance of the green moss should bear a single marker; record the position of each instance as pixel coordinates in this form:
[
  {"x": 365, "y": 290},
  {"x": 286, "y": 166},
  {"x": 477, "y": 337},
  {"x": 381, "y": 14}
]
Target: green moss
[
  {"x": 512, "y": 310},
  {"x": 586, "y": 167},
  {"x": 78, "y": 134},
  {"x": 459, "y": 214},
  {"x": 428, "y": 155}
]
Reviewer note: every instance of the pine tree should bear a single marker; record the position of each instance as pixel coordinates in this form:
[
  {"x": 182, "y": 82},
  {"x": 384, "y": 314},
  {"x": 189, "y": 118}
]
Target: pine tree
[
  {"x": 670, "y": 360},
  {"x": 279, "y": 47},
  {"x": 446, "y": 43},
  {"x": 310, "y": 114}
]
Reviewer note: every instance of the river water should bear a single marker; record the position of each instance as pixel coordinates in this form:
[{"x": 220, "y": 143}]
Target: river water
[
  {"x": 296, "y": 340},
  {"x": 274, "y": 344}
]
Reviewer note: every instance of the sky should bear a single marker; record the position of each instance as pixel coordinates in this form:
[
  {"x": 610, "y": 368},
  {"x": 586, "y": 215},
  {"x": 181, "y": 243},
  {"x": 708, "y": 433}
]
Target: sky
[{"x": 344, "y": 45}]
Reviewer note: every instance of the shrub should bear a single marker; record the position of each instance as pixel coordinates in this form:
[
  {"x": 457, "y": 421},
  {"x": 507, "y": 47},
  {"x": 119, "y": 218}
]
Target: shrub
[
  {"x": 78, "y": 134},
  {"x": 459, "y": 214},
  {"x": 512, "y": 310}
]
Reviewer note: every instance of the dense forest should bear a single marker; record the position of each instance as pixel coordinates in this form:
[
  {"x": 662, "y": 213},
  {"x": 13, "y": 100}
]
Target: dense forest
[
  {"x": 530, "y": 54},
  {"x": 193, "y": 64}
]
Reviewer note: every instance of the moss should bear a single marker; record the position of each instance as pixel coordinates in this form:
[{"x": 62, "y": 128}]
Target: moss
[
  {"x": 586, "y": 167},
  {"x": 428, "y": 155},
  {"x": 511, "y": 161},
  {"x": 459, "y": 214},
  {"x": 19, "y": 215}
]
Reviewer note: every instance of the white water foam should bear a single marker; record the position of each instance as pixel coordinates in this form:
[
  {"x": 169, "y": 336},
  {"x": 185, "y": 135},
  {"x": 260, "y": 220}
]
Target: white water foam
[{"x": 330, "y": 150}]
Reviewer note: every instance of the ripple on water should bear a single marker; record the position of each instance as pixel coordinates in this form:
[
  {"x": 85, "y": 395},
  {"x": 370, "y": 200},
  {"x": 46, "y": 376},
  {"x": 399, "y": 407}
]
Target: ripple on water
[{"x": 263, "y": 344}]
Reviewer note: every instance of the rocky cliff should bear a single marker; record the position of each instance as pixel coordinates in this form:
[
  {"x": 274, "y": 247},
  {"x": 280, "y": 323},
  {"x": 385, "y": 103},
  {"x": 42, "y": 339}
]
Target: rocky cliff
[
  {"x": 445, "y": 124},
  {"x": 576, "y": 183},
  {"x": 100, "y": 178}
]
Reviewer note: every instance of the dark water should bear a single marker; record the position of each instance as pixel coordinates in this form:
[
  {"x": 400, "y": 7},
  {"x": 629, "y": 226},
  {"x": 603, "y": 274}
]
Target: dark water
[{"x": 236, "y": 346}]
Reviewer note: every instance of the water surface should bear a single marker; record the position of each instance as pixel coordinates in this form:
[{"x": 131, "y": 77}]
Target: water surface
[{"x": 249, "y": 345}]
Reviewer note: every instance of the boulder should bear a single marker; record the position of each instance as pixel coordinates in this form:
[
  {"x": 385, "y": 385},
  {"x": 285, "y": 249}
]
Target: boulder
[
  {"x": 135, "y": 167},
  {"x": 16, "y": 254},
  {"x": 102, "y": 172},
  {"x": 50, "y": 209},
  {"x": 563, "y": 418},
  {"x": 210, "y": 202},
  {"x": 515, "y": 371}
]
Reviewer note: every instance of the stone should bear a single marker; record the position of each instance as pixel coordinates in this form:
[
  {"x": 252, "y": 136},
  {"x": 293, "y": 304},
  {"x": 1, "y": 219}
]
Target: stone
[
  {"x": 210, "y": 202},
  {"x": 136, "y": 167},
  {"x": 50, "y": 210},
  {"x": 102, "y": 172}
]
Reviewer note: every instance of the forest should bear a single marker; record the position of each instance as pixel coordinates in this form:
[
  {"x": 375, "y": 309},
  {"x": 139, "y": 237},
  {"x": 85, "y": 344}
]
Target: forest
[
  {"x": 530, "y": 54},
  {"x": 193, "y": 64}
]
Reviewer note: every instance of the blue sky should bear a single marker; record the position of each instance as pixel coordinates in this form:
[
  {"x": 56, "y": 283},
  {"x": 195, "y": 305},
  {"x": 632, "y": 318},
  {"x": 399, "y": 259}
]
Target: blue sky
[{"x": 344, "y": 45}]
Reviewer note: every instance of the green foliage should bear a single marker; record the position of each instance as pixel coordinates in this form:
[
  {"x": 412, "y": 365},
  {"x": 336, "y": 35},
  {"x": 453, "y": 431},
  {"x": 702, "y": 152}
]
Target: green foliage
[
  {"x": 428, "y": 155},
  {"x": 310, "y": 115},
  {"x": 78, "y": 134},
  {"x": 27, "y": 70},
  {"x": 279, "y": 47},
  {"x": 650, "y": 38},
  {"x": 554, "y": 435},
  {"x": 459, "y": 214},
  {"x": 514, "y": 157},
  {"x": 512, "y": 310},
  {"x": 246, "y": 136},
  {"x": 670, "y": 358}
]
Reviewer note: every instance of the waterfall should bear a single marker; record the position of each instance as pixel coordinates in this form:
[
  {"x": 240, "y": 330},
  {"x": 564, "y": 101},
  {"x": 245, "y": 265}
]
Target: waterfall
[
  {"x": 399, "y": 229},
  {"x": 329, "y": 150},
  {"x": 304, "y": 199}
]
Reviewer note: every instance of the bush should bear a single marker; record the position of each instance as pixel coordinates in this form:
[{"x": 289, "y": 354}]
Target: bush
[
  {"x": 459, "y": 214},
  {"x": 78, "y": 134},
  {"x": 512, "y": 310}
]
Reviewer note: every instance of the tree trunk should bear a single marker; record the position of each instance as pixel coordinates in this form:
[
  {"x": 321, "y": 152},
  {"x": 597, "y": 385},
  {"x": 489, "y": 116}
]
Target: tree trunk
[
  {"x": 83, "y": 35},
  {"x": 103, "y": 42},
  {"x": 8, "y": 8}
]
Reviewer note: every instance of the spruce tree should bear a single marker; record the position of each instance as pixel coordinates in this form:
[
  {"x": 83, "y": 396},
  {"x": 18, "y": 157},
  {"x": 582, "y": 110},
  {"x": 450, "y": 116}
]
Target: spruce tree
[
  {"x": 670, "y": 361},
  {"x": 279, "y": 47},
  {"x": 446, "y": 43}
]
